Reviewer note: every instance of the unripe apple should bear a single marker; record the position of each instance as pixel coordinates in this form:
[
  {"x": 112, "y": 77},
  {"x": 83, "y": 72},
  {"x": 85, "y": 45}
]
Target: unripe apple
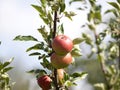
[
  {"x": 44, "y": 82},
  {"x": 61, "y": 61},
  {"x": 60, "y": 74},
  {"x": 62, "y": 44}
]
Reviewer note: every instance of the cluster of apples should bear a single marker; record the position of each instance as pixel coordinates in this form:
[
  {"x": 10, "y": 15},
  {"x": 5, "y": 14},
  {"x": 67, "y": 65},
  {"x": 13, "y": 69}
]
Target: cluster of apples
[
  {"x": 61, "y": 58},
  {"x": 62, "y": 45}
]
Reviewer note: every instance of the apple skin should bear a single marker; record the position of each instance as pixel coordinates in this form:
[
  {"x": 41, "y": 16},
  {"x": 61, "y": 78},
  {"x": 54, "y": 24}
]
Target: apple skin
[
  {"x": 59, "y": 62},
  {"x": 60, "y": 75},
  {"x": 62, "y": 44},
  {"x": 44, "y": 82}
]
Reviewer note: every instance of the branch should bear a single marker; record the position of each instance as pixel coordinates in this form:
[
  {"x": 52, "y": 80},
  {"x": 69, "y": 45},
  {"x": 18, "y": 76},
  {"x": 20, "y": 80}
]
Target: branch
[
  {"x": 55, "y": 24},
  {"x": 54, "y": 34},
  {"x": 101, "y": 62}
]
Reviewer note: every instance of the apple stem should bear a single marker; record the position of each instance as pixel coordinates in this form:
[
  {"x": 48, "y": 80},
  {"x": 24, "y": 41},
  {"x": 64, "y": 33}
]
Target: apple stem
[{"x": 54, "y": 34}]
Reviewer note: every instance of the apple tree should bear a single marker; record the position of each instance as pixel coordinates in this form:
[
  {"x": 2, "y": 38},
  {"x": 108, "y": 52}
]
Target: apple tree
[
  {"x": 106, "y": 53},
  {"x": 5, "y": 80},
  {"x": 56, "y": 51}
]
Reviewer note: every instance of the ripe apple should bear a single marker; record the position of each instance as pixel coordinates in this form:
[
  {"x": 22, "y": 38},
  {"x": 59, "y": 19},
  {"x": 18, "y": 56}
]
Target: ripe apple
[
  {"x": 62, "y": 44},
  {"x": 44, "y": 82},
  {"x": 61, "y": 61}
]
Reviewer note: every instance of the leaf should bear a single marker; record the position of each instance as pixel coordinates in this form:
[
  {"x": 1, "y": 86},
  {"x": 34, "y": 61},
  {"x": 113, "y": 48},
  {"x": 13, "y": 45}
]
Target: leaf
[
  {"x": 0, "y": 42},
  {"x": 35, "y": 53},
  {"x": 115, "y": 5},
  {"x": 90, "y": 15},
  {"x": 40, "y": 72},
  {"x": 39, "y": 9},
  {"x": 36, "y": 47},
  {"x": 77, "y": 40},
  {"x": 91, "y": 27},
  {"x": 25, "y": 38},
  {"x": 62, "y": 7},
  {"x": 7, "y": 62},
  {"x": 76, "y": 51},
  {"x": 69, "y": 83},
  {"x": 43, "y": 32},
  {"x": 69, "y": 14},
  {"x": 7, "y": 69},
  {"x": 118, "y": 1},
  {"x": 71, "y": 1},
  {"x": 80, "y": 75}
]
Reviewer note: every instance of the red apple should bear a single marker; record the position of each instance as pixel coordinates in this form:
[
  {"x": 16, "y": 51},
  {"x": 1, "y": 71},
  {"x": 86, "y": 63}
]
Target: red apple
[
  {"x": 61, "y": 61},
  {"x": 62, "y": 44},
  {"x": 44, "y": 82}
]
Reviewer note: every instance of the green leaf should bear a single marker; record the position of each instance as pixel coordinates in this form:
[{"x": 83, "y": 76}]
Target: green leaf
[
  {"x": 118, "y": 1},
  {"x": 69, "y": 83},
  {"x": 0, "y": 42},
  {"x": 39, "y": 9},
  {"x": 90, "y": 15},
  {"x": 78, "y": 40},
  {"x": 35, "y": 53},
  {"x": 62, "y": 7},
  {"x": 71, "y": 1},
  {"x": 80, "y": 75},
  {"x": 98, "y": 17},
  {"x": 91, "y": 27},
  {"x": 25, "y": 38},
  {"x": 36, "y": 47},
  {"x": 7, "y": 62},
  {"x": 69, "y": 14},
  {"x": 40, "y": 72},
  {"x": 76, "y": 52},
  {"x": 7, "y": 69},
  {"x": 43, "y": 32},
  {"x": 115, "y": 5}
]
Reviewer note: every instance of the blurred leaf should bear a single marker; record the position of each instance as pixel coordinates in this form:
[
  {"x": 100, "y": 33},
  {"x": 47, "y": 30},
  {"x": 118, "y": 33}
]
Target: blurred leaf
[
  {"x": 69, "y": 14},
  {"x": 77, "y": 40},
  {"x": 46, "y": 64},
  {"x": 36, "y": 47},
  {"x": 92, "y": 2},
  {"x": 100, "y": 86},
  {"x": 25, "y": 38},
  {"x": 0, "y": 42},
  {"x": 43, "y": 32},
  {"x": 7, "y": 62},
  {"x": 7, "y": 69},
  {"x": 90, "y": 15},
  {"x": 69, "y": 83},
  {"x": 76, "y": 52},
  {"x": 91, "y": 27},
  {"x": 60, "y": 29},
  {"x": 71, "y": 1},
  {"x": 112, "y": 11},
  {"x": 80, "y": 75},
  {"x": 118, "y": 1},
  {"x": 40, "y": 72},
  {"x": 87, "y": 38},
  {"x": 35, "y": 53},
  {"x": 39, "y": 9},
  {"x": 115, "y": 5},
  {"x": 62, "y": 7}
]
